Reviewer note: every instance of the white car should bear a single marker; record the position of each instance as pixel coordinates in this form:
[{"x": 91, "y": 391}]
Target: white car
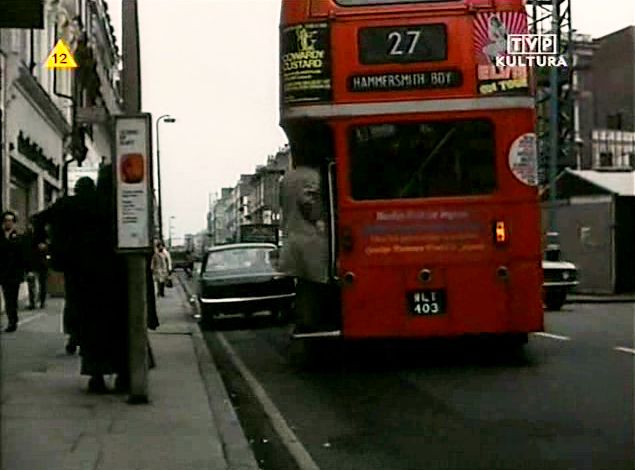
[{"x": 559, "y": 278}]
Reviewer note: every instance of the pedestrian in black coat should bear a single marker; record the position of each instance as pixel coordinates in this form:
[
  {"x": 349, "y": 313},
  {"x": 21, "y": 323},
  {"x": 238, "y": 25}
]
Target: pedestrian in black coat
[
  {"x": 12, "y": 267},
  {"x": 67, "y": 226},
  {"x": 115, "y": 275},
  {"x": 37, "y": 268}
]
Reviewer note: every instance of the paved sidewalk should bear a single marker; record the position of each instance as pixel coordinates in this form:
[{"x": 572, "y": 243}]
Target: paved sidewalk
[{"x": 49, "y": 422}]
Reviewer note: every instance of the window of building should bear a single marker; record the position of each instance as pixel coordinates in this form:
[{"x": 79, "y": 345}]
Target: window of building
[{"x": 606, "y": 159}]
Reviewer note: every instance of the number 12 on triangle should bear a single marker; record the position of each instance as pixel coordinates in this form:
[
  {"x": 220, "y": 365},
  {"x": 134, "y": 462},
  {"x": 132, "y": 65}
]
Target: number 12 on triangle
[{"x": 60, "y": 57}]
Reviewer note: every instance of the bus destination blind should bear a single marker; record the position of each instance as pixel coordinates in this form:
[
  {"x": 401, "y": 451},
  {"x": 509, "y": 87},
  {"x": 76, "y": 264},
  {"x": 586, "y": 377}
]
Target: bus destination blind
[
  {"x": 405, "y": 81},
  {"x": 402, "y": 44}
]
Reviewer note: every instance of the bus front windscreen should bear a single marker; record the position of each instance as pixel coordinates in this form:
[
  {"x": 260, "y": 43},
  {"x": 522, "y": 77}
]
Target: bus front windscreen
[{"x": 422, "y": 159}]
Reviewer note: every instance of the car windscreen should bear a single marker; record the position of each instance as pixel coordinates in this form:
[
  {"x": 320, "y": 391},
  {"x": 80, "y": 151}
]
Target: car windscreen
[
  {"x": 422, "y": 159},
  {"x": 239, "y": 259}
]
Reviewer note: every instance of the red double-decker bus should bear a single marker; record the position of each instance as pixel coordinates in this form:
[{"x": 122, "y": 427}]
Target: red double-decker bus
[{"x": 426, "y": 156}]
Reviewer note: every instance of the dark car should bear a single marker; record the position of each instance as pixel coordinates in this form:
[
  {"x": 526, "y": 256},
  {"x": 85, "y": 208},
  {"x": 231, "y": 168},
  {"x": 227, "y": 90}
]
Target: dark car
[
  {"x": 182, "y": 259},
  {"x": 241, "y": 278},
  {"x": 560, "y": 277}
]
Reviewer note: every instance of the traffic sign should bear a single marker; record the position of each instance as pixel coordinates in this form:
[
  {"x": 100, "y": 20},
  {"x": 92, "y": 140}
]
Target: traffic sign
[{"x": 60, "y": 57}]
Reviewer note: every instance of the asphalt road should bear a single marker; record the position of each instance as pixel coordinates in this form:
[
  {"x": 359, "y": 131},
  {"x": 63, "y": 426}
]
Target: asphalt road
[{"x": 565, "y": 402}]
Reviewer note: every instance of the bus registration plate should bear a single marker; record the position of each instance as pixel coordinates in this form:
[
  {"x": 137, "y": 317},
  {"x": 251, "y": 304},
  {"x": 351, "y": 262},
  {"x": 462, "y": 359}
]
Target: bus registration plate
[{"x": 427, "y": 302}]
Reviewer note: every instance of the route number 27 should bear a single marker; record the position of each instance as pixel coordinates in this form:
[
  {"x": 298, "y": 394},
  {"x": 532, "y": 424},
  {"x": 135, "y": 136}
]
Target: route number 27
[{"x": 403, "y": 42}]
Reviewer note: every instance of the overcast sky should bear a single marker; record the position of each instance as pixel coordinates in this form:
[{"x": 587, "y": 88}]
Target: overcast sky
[{"x": 213, "y": 65}]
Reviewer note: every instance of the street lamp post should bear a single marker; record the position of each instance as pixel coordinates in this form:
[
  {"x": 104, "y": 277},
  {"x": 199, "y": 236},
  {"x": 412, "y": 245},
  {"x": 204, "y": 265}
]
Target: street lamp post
[
  {"x": 170, "y": 231},
  {"x": 169, "y": 119}
]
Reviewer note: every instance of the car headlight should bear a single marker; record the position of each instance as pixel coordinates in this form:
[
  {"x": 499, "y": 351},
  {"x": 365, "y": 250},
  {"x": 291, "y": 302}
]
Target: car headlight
[{"x": 565, "y": 275}]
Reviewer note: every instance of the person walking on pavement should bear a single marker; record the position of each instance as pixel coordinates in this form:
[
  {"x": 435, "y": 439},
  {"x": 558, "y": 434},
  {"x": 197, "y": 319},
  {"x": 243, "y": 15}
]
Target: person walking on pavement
[
  {"x": 61, "y": 219},
  {"x": 160, "y": 268},
  {"x": 37, "y": 272},
  {"x": 12, "y": 267}
]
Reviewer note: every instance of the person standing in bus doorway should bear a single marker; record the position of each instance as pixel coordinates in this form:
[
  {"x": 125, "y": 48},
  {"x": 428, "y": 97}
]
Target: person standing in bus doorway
[
  {"x": 12, "y": 267},
  {"x": 304, "y": 253}
]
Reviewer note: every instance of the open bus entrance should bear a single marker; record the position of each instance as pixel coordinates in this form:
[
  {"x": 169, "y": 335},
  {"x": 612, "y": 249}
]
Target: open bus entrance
[{"x": 309, "y": 229}]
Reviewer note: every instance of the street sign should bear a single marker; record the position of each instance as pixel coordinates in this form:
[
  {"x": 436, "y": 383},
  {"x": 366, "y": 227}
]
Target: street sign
[
  {"x": 60, "y": 57},
  {"x": 91, "y": 115},
  {"x": 133, "y": 182}
]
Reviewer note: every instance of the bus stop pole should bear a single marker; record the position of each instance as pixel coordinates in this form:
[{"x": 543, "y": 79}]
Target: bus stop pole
[{"x": 136, "y": 263}]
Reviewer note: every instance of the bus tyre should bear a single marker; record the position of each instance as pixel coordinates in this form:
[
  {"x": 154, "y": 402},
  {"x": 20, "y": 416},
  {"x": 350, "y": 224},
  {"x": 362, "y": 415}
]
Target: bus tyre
[{"x": 554, "y": 300}]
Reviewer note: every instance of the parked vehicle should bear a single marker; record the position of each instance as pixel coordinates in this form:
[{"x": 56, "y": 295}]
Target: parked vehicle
[
  {"x": 182, "y": 259},
  {"x": 560, "y": 277},
  {"x": 241, "y": 278}
]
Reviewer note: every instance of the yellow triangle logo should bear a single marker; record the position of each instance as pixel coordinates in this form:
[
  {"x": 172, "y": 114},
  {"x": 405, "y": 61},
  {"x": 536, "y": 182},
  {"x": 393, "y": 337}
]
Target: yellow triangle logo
[{"x": 60, "y": 57}]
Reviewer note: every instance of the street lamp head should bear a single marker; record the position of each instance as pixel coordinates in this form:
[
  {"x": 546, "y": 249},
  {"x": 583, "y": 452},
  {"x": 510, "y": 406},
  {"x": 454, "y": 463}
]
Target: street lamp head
[{"x": 170, "y": 120}]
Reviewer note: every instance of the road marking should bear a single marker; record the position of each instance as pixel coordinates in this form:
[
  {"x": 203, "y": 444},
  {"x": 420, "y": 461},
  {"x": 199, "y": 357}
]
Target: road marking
[
  {"x": 289, "y": 439},
  {"x": 623, "y": 349},
  {"x": 552, "y": 336}
]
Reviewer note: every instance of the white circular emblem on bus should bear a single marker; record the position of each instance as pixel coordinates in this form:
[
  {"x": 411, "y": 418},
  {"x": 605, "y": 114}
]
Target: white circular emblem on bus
[{"x": 523, "y": 159}]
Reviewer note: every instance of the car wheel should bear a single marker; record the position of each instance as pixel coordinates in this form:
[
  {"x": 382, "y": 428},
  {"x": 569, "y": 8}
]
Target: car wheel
[
  {"x": 282, "y": 315},
  {"x": 554, "y": 300},
  {"x": 207, "y": 319}
]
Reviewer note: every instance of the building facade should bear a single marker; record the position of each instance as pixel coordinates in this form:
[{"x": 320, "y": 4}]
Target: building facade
[
  {"x": 265, "y": 201},
  {"x": 605, "y": 100},
  {"x": 254, "y": 200},
  {"x": 38, "y": 104},
  {"x": 594, "y": 217}
]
